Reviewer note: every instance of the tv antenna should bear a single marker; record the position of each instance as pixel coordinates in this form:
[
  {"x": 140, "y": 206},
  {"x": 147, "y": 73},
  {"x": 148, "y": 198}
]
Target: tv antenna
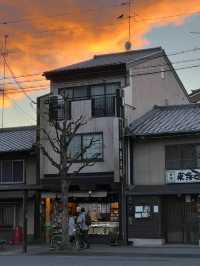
[
  {"x": 128, "y": 44},
  {"x": 4, "y": 54}
]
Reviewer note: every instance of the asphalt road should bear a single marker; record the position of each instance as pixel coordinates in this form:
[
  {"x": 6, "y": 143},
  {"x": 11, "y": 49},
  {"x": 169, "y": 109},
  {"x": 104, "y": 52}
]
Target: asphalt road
[{"x": 96, "y": 261}]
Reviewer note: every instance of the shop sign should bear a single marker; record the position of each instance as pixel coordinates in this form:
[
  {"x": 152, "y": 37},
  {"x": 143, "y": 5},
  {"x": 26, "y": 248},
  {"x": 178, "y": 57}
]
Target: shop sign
[
  {"x": 183, "y": 176},
  {"x": 142, "y": 211}
]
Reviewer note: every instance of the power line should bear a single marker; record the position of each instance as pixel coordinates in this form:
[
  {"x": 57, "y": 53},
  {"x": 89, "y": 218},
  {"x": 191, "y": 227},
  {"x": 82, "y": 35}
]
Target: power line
[
  {"x": 14, "y": 91},
  {"x": 28, "y": 19},
  {"x": 28, "y": 90},
  {"x": 18, "y": 84},
  {"x": 26, "y": 81},
  {"x": 43, "y": 80},
  {"x": 24, "y": 76},
  {"x": 195, "y": 49},
  {"x": 164, "y": 70},
  {"x": 22, "y": 110},
  {"x": 4, "y": 54},
  {"x": 166, "y": 64},
  {"x": 166, "y": 17}
]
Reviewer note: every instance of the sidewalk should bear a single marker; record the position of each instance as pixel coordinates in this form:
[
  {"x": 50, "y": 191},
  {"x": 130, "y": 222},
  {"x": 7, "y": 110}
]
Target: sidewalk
[{"x": 106, "y": 250}]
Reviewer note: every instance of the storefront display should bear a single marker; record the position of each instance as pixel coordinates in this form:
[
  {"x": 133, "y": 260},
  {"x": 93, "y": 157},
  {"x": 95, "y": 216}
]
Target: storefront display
[{"x": 104, "y": 216}]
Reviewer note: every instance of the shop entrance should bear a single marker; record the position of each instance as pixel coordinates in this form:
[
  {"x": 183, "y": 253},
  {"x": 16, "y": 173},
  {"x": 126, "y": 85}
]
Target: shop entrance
[
  {"x": 181, "y": 219},
  {"x": 102, "y": 207}
]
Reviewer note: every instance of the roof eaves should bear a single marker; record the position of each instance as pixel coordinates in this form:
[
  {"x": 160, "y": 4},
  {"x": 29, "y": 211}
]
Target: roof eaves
[
  {"x": 13, "y": 129},
  {"x": 166, "y": 134},
  {"x": 146, "y": 57}
]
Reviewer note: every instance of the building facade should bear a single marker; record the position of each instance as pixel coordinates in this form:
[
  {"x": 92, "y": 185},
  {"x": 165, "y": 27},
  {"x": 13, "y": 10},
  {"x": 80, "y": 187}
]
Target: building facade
[
  {"x": 18, "y": 174},
  {"x": 109, "y": 91},
  {"x": 163, "y": 198}
]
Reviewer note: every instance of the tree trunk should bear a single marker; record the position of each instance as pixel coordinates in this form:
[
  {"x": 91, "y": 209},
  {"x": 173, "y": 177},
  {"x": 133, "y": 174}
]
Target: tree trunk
[{"x": 65, "y": 214}]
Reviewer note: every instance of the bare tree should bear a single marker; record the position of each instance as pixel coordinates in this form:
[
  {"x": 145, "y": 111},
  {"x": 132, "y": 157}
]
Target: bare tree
[{"x": 60, "y": 144}]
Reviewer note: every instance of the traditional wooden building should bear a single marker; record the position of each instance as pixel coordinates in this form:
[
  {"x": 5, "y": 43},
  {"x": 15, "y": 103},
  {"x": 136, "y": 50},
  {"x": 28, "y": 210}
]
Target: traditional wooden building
[
  {"x": 18, "y": 176},
  {"x": 164, "y": 193}
]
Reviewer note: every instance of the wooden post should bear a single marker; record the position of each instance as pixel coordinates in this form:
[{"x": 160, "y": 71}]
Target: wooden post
[
  {"x": 65, "y": 216},
  {"x": 25, "y": 198},
  {"x": 47, "y": 217},
  {"x": 37, "y": 226}
]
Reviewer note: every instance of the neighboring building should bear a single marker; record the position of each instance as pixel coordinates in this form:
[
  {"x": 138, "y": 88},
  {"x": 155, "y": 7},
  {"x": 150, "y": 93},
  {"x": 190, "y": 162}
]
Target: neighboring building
[
  {"x": 163, "y": 197},
  {"x": 17, "y": 174},
  {"x": 195, "y": 96},
  {"x": 110, "y": 91}
]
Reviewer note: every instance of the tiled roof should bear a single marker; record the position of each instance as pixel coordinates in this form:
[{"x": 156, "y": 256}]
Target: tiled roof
[
  {"x": 17, "y": 139},
  {"x": 163, "y": 120},
  {"x": 110, "y": 59}
]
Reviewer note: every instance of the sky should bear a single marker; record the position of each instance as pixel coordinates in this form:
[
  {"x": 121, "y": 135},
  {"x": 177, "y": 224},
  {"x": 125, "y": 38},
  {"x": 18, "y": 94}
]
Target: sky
[{"x": 46, "y": 34}]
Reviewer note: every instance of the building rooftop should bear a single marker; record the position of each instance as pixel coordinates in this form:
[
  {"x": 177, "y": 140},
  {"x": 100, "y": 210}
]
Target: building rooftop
[
  {"x": 17, "y": 139},
  {"x": 165, "y": 120},
  {"x": 109, "y": 59}
]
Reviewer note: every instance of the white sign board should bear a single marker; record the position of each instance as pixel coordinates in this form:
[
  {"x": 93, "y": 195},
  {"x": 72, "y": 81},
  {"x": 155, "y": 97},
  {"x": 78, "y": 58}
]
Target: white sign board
[{"x": 183, "y": 176}]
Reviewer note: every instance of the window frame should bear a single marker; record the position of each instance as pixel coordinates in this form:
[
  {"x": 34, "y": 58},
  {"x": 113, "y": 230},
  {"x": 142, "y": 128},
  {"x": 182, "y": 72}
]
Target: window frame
[
  {"x": 89, "y": 96},
  {"x": 82, "y": 155},
  {"x": 12, "y": 176},
  {"x": 13, "y": 207},
  {"x": 181, "y": 158}
]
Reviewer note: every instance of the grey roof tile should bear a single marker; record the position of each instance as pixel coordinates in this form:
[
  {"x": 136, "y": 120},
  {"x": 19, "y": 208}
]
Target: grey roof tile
[
  {"x": 163, "y": 120},
  {"x": 17, "y": 139},
  {"x": 110, "y": 59}
]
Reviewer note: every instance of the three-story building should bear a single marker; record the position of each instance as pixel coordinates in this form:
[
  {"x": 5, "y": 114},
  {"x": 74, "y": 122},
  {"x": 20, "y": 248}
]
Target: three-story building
[{"x": 109, "y": 91}]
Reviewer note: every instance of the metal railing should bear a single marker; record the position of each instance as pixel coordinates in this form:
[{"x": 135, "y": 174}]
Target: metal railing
[{"x": 103, "y": 106}]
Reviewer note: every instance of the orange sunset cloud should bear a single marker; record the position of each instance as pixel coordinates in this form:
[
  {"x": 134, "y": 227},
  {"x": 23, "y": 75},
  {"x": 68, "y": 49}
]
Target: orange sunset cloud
[{"x": 56, "y": 33}]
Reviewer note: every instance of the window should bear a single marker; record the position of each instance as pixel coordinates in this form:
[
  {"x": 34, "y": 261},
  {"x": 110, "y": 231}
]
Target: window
[
  {"x": 103, "y": 97},
  {"x": 94, "y": 142},
  {"x": 11, "y": 171},
  {"x": 86, "y": 147},
  {"x": 7, "y": 214},
  {"x": 74, "y": 150},
  {"x": 76, "y": 93},
  {"x": 185, "y": 156}
]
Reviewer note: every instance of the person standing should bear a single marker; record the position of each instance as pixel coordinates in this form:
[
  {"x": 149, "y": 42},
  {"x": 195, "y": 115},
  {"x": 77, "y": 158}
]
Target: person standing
[
  {"x": 82, "y": 222},
  {"x": 71, "y": 227}
]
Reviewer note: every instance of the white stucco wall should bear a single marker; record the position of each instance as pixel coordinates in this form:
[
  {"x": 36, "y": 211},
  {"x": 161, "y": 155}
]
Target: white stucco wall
[
  {"x": 158, "y": 88},
  {"x": 149, "y": 160}
]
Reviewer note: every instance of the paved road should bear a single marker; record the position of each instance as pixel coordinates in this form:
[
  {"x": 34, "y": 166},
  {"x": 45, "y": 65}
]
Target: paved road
[{"x": 96, "y": 261}]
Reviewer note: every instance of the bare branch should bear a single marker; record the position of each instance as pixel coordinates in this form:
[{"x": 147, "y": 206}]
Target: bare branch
[
  {"x": 57, "y": 125},
  {"x": 70, "y": 133},
  {"x": 53, "y": 162},
  {"x": 53, "y": 145},
  {"x": 86, "y": 163}
]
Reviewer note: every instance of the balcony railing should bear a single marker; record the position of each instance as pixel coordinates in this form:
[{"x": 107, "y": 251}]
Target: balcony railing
[{"x": 103, "y": 106}]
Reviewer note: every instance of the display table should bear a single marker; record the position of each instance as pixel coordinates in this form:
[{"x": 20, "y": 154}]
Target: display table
[{"x": 103, "y": 228}]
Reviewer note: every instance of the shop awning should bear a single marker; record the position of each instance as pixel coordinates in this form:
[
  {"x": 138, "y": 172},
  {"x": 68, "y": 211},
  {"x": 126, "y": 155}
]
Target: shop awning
[
  {"x": 97, "y": 194},
  {"x": 172, "y": 189},
  {"x": 20, "y": 187}
]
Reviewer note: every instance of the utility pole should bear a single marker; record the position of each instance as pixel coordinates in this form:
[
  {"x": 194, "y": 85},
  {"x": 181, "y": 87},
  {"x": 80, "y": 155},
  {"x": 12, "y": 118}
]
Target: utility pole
[{"x": 4, "y": 54}]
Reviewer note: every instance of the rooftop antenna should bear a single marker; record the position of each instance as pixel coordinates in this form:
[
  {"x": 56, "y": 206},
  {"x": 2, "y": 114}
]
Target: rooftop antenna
[
  {"x": 4, "y": 53},
  {"x": 128, "y": 44}
]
